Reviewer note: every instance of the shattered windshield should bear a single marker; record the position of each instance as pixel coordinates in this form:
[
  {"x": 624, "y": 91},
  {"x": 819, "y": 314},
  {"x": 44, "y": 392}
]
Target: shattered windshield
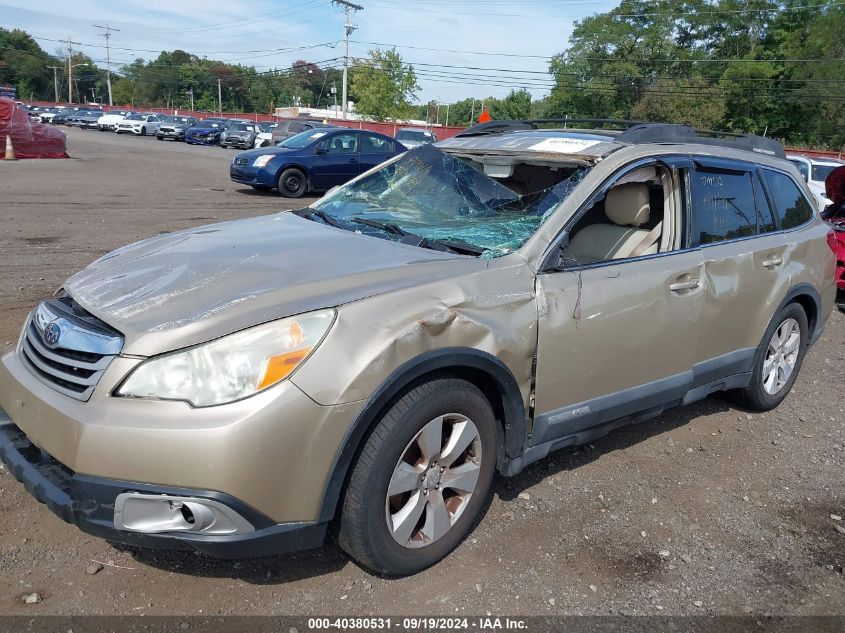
[{"x": 429, "y": 194}]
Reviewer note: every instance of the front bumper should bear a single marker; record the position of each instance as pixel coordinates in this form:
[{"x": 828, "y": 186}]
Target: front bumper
[
  {"x": 274, "y": 451},
  {"x": 252, "y": 176},
  {"x": 88, "y": 503},
  {"x": 202, "y": 140},
  {"x": 239, "y": 143},
  {"x": 178, "y": 135},
  {"x": 131, "y": 130}
]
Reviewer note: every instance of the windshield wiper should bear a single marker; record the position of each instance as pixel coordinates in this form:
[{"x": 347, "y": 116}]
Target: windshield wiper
[
  {"x": 461, "y": 248},
  {"x": 384, "y": 226},
  {"x": 325, "y": 217}
]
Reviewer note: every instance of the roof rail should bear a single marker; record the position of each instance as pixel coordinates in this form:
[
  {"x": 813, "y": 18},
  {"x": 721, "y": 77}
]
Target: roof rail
[
  {"x": 675, "y": 133},
  {"x": 497, "y": 127},
  {"x": 635, "y": 132}
]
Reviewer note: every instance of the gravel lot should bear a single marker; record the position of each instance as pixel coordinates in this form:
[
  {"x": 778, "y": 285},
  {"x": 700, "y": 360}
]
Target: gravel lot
[{"x": 707, "y": 509}]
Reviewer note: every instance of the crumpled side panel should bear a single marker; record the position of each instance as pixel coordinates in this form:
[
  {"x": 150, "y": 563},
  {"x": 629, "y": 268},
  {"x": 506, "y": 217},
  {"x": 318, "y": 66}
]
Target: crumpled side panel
[{"x": 493, "y": 311}]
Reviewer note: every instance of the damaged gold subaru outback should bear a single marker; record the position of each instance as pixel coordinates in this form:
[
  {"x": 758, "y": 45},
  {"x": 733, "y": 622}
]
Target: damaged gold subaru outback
[{"x": 371, "y": 361}]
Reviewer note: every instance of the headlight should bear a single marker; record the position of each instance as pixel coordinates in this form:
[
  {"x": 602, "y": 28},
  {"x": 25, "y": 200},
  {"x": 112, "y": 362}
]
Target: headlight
[
  {"x": 262, "y": 161},
  {"x": 232, "y": 367}
]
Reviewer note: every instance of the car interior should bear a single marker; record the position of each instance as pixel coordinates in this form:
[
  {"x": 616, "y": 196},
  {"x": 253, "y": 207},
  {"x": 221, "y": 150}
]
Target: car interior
[{"x": 635, "y": 216}]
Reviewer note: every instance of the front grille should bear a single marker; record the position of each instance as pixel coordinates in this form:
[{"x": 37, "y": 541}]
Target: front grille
[
  {"x": 85, "y": 348},
  {"x": 166, "y": 129}
]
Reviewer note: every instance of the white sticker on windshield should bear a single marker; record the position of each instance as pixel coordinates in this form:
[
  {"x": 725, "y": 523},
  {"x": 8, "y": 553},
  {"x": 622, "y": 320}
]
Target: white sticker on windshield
[
  {"x": 564, "y": 145},
  {"x": 318, "y": 134}
]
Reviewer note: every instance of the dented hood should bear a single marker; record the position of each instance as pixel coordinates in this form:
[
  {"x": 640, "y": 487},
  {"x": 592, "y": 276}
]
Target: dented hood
[{"x": 188, "y": 287}]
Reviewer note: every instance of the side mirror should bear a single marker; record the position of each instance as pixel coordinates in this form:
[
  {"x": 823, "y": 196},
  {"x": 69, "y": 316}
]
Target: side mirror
[{"x": 321, "y": 149}]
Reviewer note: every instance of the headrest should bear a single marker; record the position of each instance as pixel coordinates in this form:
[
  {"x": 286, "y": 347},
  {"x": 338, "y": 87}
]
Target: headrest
[{"x": 628, "y": 204}]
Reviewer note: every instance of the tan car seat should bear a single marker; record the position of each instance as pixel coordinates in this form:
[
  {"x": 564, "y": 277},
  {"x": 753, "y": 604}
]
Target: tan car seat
[{"x": 627, "y": 207}]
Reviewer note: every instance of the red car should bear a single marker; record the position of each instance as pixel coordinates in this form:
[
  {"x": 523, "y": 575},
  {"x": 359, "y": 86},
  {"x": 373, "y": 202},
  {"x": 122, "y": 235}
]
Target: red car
[{"x": 835, "y": 216}]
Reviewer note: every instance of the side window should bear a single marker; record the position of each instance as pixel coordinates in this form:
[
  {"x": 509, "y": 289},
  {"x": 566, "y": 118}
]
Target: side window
[
  {"x": 296, "y": 128},
  {"x": 792, "y": 207},
  {"x": 371, "y": 144},
  {"x": 803, "y": 169},
  {"x": 343, "y": 144},
  {"x": 765, "y": 218},
  {"x": 723, "y": 206}
]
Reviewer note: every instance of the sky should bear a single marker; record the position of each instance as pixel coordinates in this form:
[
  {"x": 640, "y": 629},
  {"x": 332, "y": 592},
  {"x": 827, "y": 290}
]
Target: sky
[{"x": 483, "y": 47}]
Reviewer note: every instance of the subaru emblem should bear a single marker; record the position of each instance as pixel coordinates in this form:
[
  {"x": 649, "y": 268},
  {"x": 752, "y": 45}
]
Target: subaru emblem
[{"x": 51, "y": 335}]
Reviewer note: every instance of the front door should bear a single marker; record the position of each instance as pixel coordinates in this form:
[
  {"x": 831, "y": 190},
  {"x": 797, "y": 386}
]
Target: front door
[
  {"x": 618, "y": 337},
  {"x": 336, "y": 160}
]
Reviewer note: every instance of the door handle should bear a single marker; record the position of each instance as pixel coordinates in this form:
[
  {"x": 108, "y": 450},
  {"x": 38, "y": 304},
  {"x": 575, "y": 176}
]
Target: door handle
[
  {"x": 687, "y": 284},
  {"x": 773, "y": 262}
]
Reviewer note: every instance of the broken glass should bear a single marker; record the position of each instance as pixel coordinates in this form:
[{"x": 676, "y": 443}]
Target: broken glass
[{"x": 435, "y": 196}]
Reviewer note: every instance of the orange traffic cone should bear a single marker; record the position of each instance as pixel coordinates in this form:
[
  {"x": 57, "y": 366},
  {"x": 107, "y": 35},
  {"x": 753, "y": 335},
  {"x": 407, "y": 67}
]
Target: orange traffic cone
[{"x": 10, "y": 150}]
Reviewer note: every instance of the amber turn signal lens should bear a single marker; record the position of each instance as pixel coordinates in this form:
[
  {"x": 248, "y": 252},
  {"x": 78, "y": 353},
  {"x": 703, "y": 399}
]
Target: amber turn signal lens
[{"x": 278, "y": 367}]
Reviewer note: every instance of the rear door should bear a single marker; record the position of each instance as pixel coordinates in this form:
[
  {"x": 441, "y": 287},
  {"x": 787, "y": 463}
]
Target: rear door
[
  {"x": 374, "y": 149},
  {"x": 734, "y": 227}
]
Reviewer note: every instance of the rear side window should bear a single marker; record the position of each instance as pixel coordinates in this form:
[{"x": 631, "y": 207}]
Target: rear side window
[
  {"x": 723, "y": 206},
  {"x": 792, "y": 208}
]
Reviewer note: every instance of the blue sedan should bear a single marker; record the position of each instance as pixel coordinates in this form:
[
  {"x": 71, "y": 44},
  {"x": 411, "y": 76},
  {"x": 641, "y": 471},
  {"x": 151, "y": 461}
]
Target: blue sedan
[{"x": 314, "y": 160}]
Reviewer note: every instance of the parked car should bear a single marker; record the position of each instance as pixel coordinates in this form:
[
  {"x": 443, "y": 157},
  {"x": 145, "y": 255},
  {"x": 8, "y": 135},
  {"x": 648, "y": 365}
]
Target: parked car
[
  {"x": 316, "y": 160},
  {"x": 240, "y": 135},
  {"x": 834, "y": 215},
  {"x": 378, "y": 356},
  {"x": 139, "y": 124},
  {"x": 264, "y": 138},
  {"x": 108, "y": 122},
  {"x": 46, "y": 115},
  {"x": 205, "y": 132},
  {"x": 412, "y": 137},
  {"x": 88, "y": 119},
  {"x": 814, "y": 171},
  {"x": 75, "y": 117},
  {"x": 174, "y": 127},
  {"x": 290, "y": 127},
  {"x": 60, "y": 118}
]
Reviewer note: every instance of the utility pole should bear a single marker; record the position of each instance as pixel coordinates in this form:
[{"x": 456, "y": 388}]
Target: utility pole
[
  {"x": 55, "y": 81},
  {"x": 70, "y": 44},
  {"x": 220, "y": 95},
  {"x": 472, "y": 111},
  {"x": 348, "y": 28},
  {"x": 448, "y": 105},
  {"x": 107, "y": 34}
]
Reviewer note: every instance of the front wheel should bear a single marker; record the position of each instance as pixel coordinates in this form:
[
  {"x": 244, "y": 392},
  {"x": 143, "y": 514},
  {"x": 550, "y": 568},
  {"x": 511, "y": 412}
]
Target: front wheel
[
  {"x": 143, "y": 131},
  {"x": 777, "y": 361},
  {"x": 422, "y": 479},
  {"x": 292, "y": 183}
]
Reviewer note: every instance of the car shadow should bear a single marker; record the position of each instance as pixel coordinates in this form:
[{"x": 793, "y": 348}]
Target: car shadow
[
  {"x": 574, "y": 457},
  {"x": 282, "y": 569},
  {"x": 272, "y": 570}
]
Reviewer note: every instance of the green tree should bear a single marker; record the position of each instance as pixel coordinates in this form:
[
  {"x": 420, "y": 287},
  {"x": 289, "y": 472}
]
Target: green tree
[
  {"x": 694, "y": 102},
  {"x": 383, "y": 86}
]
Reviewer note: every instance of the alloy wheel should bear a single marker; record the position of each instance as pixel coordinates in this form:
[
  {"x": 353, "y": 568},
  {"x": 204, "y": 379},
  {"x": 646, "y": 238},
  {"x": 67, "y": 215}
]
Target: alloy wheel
[
  {"x": 781, "y": 356},
  {"x": 433, "y": 481}
]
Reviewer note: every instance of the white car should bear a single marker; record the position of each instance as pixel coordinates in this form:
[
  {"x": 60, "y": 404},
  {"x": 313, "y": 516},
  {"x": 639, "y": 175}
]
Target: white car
[
  {"x": 108, "y": 122},
  {"x": 265, "y": 137},
  {"x": 139, "y": 124},
  {"x": 814, "y": 171}
]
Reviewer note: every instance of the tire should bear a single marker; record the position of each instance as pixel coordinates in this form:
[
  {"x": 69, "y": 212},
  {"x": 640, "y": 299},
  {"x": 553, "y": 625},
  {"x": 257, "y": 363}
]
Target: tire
[
  {"x": 143, "y": 131},
  {"x": 161, "y": 138},
  {"x": 371, "y": 528},
  {"x": 292, "y": 183},
  {"x": 756, "y": 395}
]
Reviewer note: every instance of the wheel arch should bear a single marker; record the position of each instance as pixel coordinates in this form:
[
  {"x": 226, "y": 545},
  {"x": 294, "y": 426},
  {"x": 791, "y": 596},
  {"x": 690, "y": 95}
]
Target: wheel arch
[
  {"x": 483, "y": 370},
  {"x": 809, "y": 299}
]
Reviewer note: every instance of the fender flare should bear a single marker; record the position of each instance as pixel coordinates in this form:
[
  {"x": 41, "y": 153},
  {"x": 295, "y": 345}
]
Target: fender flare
[
  {"x": 514, "y": 422},
  {"x": 813, "y": 320}
]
